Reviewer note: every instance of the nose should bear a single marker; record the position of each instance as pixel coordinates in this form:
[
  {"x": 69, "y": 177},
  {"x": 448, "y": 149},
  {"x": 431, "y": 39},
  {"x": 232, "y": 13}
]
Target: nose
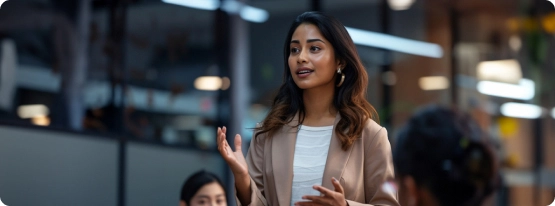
[{"x": 303, "y": 57}]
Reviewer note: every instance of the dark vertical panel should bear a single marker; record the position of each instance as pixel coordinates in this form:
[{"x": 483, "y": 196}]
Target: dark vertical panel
[
  {"x": 316, "y": 5},
  {"x": 454, "y": 24},
  {"x": 117, "y": 25},
  {"x": 387, "y": 90},
  {"x": 221, "y": 50}
]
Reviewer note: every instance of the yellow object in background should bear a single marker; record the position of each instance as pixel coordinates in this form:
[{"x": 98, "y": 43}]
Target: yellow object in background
[
  {"x": 508, "y": 127},
  {"x": 548, "y": 23},
  {"x": 532, "y": 24}
]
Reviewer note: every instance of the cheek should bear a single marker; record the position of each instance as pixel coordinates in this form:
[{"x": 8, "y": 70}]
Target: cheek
[
  {"x": 292, "y": 64},
  {"x": 325, "y": 62}
]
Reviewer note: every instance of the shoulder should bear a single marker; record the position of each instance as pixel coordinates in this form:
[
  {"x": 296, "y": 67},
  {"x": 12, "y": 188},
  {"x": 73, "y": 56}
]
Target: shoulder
[
  {"x": 373, "y": 129},
  {"x": 375, "y": 138},
  {"x": 262, "y": 137},
  {"x": 258, "y": 138}
]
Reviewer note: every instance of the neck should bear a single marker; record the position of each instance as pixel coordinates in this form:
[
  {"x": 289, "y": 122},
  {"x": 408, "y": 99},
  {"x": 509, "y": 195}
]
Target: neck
[{"x": 318, "y": 105}]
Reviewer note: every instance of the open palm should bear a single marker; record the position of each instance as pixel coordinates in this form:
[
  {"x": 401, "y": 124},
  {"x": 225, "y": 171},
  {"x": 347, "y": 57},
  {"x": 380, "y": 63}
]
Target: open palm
[{"x": 235, "y": 160}]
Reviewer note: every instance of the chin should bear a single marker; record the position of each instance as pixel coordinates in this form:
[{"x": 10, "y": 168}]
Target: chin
[{"x": 304, "y": 85}]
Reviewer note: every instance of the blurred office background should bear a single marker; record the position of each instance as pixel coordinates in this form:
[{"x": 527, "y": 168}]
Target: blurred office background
[{"x": 116, "y": 102}]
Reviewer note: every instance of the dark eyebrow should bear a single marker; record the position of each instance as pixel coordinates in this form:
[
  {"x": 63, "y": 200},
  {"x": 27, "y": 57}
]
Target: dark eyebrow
[
  {"x": 313, "y": 40},
  {"x": 206, "y": 196},
  {"x": 308, "y": 41}
]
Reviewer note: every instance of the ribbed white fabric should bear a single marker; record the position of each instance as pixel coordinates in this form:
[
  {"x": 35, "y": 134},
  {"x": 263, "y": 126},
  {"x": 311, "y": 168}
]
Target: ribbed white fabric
[{"x": 311, "y": 152}]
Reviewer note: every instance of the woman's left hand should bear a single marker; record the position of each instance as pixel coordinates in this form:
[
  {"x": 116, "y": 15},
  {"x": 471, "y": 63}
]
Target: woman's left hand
[{"x": 329, "y": 197}]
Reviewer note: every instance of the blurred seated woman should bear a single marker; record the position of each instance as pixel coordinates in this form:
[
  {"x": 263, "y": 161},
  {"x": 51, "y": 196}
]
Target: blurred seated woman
[
  {"x": 441, "y": 159},
  {"x": 203, "y": 188}
]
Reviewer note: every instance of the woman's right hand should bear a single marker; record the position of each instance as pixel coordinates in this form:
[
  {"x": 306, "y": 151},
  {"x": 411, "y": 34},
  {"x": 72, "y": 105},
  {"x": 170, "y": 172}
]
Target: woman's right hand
[{"x": 235, "y": 160}]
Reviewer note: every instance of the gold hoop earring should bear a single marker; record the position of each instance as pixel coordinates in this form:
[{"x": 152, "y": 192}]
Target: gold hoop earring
[{"x": 342, "y": 79}]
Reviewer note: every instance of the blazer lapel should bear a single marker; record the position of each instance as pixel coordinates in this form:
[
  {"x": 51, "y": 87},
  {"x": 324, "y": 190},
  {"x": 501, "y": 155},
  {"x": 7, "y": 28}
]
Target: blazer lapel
[
  {"x": 337, "y": 159},
  {"x": 283, "y": 151}
]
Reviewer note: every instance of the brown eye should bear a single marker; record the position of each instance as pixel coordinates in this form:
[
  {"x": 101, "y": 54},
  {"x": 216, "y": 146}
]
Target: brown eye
[
  {"x": 294, "y": 50},
  {"x": 315, "y": 48}
]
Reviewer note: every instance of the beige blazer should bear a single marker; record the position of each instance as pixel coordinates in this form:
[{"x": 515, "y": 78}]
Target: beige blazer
[{"x": 361, "y": 170}]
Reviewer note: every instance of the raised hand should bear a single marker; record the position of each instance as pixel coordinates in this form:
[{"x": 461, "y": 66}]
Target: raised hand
[
  {"x": 235, "y": 160},
  {"x": 328, "y": 197}
]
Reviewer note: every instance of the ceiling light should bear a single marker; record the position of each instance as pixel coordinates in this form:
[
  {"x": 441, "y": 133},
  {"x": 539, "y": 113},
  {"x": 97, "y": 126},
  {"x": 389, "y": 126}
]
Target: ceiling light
[
  {"x": 254, "y": 14},
  {"x": 433, "y": 83},
  {"x": 208, "y": 83},
  {"x": 520, "y": 110},
  {"x": 232, "y": 7},
  {"x": 400, "y": 4},
  {"x": 507, "y": 71},
  {"x": 525, "y": 90},
  {"x": 41, "y": 120},
  {"x": 33, "y": 110},
  {"x": 196, "y": 4},
  {"x": 247, "y": 13},
  {"x": 394, "y": 43}
]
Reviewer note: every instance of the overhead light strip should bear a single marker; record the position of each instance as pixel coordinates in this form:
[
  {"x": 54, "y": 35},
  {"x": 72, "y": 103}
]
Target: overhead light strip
[
  {"x": 196, "y": 4},
  {"x": 394, "y": 43},
  {"x": 520, "y": 110},
  {"x": 525, "y": 90},
  {"x": 248, "y": 13}
]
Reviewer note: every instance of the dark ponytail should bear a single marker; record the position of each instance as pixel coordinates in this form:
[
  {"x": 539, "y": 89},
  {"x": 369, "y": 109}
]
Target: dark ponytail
[{"x": 445, "y": 151}]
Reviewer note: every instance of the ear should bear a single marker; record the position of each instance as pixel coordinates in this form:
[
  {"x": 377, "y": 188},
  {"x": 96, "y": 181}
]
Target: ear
[
  {"x": 411, "y": 191},
  {"x": 340, "y": 63},
  {"x": 182, "y": 203}
]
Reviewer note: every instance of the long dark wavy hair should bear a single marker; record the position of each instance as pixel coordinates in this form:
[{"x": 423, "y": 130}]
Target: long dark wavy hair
[{"x": 349, "y": 99}]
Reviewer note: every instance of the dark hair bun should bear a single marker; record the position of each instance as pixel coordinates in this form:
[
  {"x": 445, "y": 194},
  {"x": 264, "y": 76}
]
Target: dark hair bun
[{"x": 445, "y": 151}]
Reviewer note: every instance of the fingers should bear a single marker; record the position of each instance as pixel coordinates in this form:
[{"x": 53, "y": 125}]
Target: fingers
[
  {"x": 317, "y": 200},
  {"x": 323, "y": 190},
  {"x": 221, "y": 141},
  {"x": 238, "y": 143},
  {"x": 329, "y": 197},
  {"x": 221, "y": 145},
  {"x": 221, "y": 137},
  {"x": 218, "y": 137},
  {"x": 336, "y": 185}
]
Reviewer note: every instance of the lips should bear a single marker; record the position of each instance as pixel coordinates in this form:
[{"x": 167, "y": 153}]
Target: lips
[{"x": 304, "y": 72}]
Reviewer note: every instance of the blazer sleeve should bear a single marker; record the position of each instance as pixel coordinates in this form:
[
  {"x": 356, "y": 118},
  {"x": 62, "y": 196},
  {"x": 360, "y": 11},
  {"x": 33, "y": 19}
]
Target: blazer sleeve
[
  {"x": 378, "y": 163},
  {"x": 255, "y": 162}
]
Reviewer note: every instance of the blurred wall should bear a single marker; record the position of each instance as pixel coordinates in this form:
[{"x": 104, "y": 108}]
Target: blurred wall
[
  {"x": 40, "y": 167},
  {"x": 45, "y": 167},
  {"x": 155, "y": 174}
]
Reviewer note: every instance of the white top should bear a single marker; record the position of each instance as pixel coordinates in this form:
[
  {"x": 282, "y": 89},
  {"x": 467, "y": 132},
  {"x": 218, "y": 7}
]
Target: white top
[{"x": 311, "y": 152}]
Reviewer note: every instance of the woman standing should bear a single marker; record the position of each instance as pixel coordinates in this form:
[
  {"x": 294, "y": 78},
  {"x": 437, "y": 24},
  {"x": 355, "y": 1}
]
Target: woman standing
[{"x": 319, "y": 131}]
